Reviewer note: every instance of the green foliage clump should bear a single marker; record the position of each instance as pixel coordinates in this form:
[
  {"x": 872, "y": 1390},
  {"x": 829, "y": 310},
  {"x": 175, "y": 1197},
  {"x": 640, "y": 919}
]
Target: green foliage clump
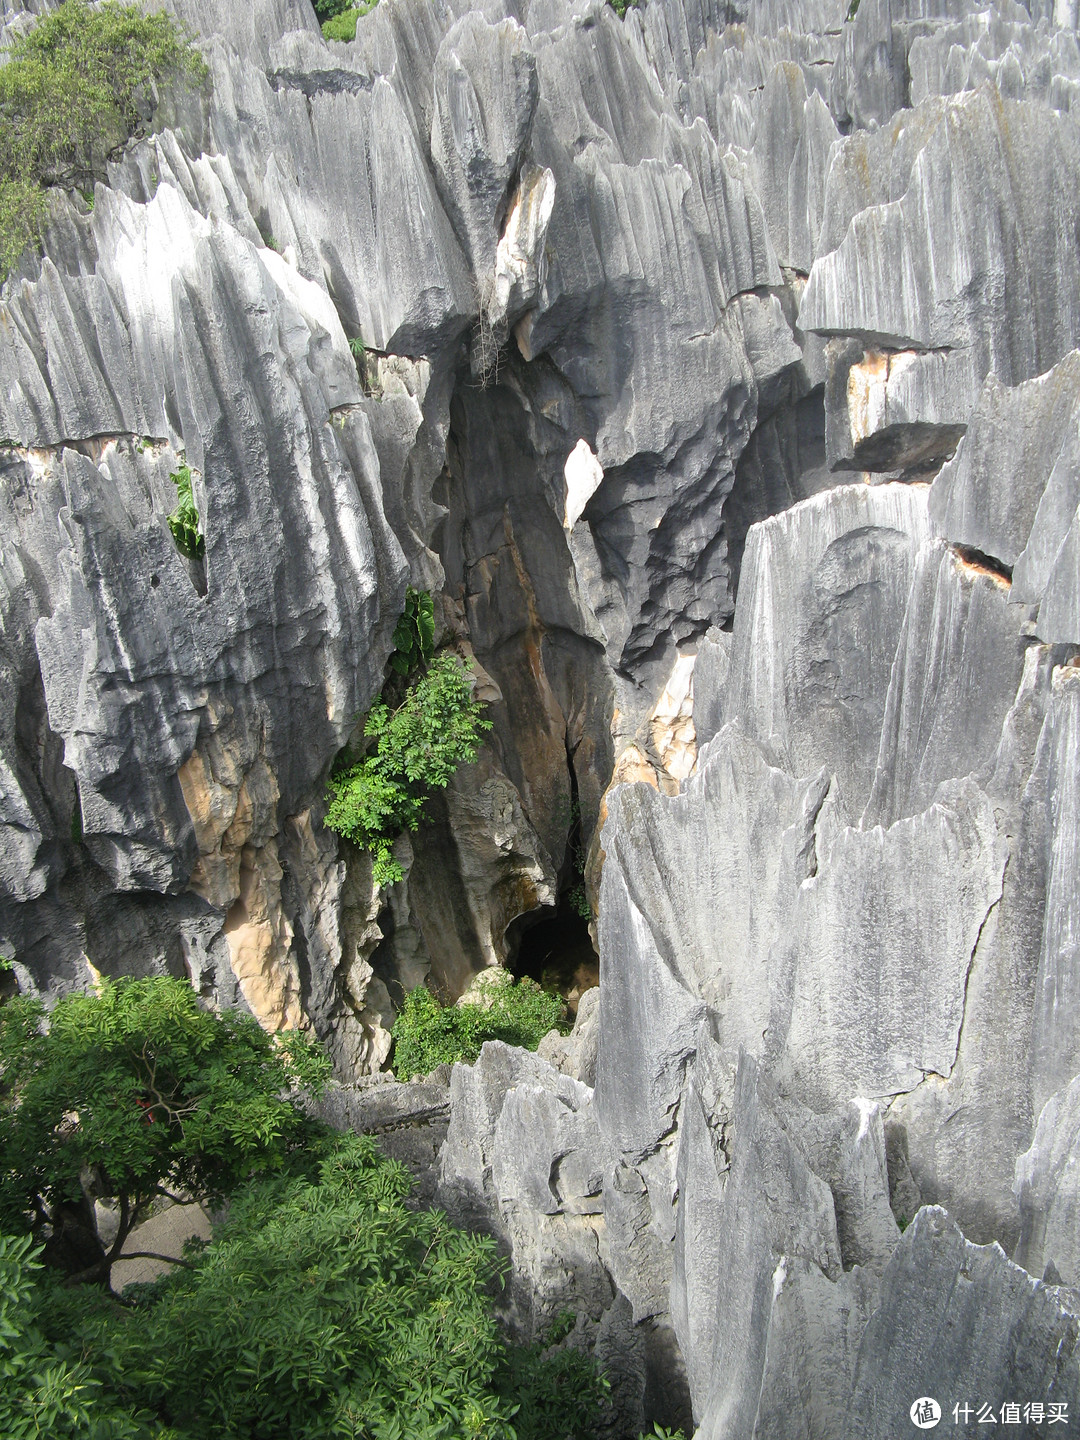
[
  {"x": 325, "y": 1307},
  {"x": 341, "y": 26},
  {"x": 339, "y": 17},
  {"x": 578, "y": 897},
  {"x": 69, "y": 95},
  {"x": 427, "y": 1034},
  {"x": 419, "y": 745},
  {"x": 414, "y": 633},
  {"x": 184, "y": 520},
  {"x": 133, "y": 1094},
  {"x": 45, "y": 1388}
]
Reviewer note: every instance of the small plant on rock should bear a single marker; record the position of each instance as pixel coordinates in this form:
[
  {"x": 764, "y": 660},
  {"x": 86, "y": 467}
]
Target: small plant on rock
[
  {"x": 184, "y": 520},
  {"x": 414, "y": 633},
  {"x": 578, "y": 897},
  {"x": 419, "y": 745}
]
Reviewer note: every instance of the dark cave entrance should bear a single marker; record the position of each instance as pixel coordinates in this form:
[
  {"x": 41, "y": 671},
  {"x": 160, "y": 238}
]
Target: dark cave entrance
[
  {"x": 554, "y": 948},
  {"x": 553, "y": 945}
]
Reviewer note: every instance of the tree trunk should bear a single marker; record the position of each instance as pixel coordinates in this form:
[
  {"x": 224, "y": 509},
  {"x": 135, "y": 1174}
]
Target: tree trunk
[{"x": 74, "y": 1245}]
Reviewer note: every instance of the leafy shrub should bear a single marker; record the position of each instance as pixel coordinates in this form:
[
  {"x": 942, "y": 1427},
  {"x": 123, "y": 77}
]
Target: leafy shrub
[
  {"x": 44, "y": 1389},
  {"x": 419, "y": 745},
  {"x": 414, "y": 633},
  {"x": 578, "y": 897},
  {"x": 326, "y": 1307},
  {"x": 184, "y": 520},
  {"x": 342, "y": 26},
  {"x": 559, "y": 1394},
  {"x": 136, "y": 1093},
  {"x": 69, "y": 95},
  {"x": 427, "y": 1034},
  {"x": 339, "y": 17}
]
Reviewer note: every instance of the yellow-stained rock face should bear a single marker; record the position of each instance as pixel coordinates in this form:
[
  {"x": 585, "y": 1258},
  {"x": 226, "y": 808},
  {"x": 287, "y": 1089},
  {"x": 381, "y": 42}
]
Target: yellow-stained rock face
[
  {"x": 259, "y": 938},
  {"x": 232, "y": 797},
  {"x": 672, "y": 722},
  {"x": 867, "y": 389},
  {"x": 631, "y": 767}
]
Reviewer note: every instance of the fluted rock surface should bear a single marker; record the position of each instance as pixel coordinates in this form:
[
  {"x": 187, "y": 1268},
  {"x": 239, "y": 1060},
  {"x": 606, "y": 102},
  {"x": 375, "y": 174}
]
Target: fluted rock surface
[{"x": 741, "y": 336}]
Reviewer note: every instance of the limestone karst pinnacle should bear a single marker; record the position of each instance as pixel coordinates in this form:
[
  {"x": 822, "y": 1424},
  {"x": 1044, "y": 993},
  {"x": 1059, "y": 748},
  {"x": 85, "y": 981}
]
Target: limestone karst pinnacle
[{"x": 798, "y": 285}]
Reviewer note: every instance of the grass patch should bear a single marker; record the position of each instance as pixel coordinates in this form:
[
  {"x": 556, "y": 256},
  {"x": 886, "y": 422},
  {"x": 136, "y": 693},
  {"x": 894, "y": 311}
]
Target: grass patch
[{"x": 70, "y": 94}]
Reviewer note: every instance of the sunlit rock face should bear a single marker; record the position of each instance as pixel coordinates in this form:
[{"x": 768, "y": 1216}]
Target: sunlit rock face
[{"x": 716, "y": 369}]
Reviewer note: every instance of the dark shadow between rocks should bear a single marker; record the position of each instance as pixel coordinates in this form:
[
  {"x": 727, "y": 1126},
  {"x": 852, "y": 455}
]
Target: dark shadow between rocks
[{"x": 552, "y": 946}]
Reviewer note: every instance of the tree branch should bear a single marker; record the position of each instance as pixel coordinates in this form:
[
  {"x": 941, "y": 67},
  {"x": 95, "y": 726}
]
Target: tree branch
[
  {"x": 126, "y": 1225},
  {"x": 153, "y": 1255},
  {"x": 176, "y": 1199}
]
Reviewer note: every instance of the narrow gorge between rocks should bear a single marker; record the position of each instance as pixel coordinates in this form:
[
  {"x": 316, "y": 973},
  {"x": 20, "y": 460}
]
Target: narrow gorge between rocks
[{"x": 715, "y": 368}]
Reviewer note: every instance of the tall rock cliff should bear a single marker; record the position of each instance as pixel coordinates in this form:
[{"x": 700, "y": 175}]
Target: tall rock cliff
[{"x": 719, "y": 354}]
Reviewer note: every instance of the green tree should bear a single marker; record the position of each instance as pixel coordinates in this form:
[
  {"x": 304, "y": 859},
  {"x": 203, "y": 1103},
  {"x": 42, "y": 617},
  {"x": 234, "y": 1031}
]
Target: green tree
[
  {"x": 419, "y": 744},
  {"x": 326, "y": 1307},
  {"x": 134, "y": 1094},
  {"x": 45, "y": 1390},
  {"x": 71, "y": 92}
]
